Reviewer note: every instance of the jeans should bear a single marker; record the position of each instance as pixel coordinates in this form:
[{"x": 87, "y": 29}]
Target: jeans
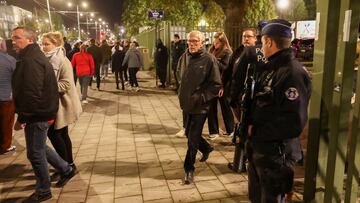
[
  {"x": 194, "y": 126},
  {"x": 39, "y": 155},
  {"x": 105, "y": 69},
  {"x": 133, "y": 79},
  {"x": 97, "y": 76},
  {"x": 84, "y": 83},
  {"x": 119, "y": 76}
]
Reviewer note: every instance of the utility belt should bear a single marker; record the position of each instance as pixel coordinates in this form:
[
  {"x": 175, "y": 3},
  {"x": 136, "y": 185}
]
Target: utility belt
[{"x": 268, "y": 148}]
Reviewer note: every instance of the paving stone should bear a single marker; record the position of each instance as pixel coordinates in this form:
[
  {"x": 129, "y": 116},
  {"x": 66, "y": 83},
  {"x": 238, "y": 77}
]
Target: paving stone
[
  {"x": 132, "y": 199},
  {"x": 156, "y": 193},
  {"x": 187, "y": 195}
]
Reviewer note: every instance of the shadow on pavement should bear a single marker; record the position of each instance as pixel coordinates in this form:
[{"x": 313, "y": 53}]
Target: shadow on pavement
[{"x": 138, "y": 128}]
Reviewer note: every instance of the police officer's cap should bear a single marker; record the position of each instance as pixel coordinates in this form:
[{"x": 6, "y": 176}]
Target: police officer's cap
[
  {"x": 277, "y": 27},
  {"x": 261, "y": 24}
]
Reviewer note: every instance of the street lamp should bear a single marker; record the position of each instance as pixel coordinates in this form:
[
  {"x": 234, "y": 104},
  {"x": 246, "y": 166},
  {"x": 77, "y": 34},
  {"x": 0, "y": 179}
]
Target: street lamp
[
  {"x": 282, "y": 4},
  {"x": 85, "y": 5},
  {"x": 48, "y": 7}
]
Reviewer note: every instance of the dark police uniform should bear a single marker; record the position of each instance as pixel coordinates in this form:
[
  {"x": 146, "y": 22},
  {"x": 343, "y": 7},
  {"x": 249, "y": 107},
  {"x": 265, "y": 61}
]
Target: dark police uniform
[{"x": 278, "y": 116}]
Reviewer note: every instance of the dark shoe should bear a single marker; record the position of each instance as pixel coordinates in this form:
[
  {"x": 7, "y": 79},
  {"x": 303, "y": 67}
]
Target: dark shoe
[
  {"x": 189, "y": 177},
  {"x": 117, "y": 88},
  {"x": 55, "y": 177},
  {"x": 205, "y": 155},
  {"x": 234, "y": 168},
  {"x": 38, "y": 197},
  {"x": 65, "y": 178}
]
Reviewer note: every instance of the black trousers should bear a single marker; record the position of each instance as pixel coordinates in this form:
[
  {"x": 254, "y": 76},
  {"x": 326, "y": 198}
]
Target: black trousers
[
  {"x": 98, "y": 78},
  {"x": 194, "y": 126},
  {"x": 175, "y": 76},
  {"x": 161, "y": 71},
  {"x": 133, "y": 78},
  {"x": 213, "y": 122},
  {"x": 126, "y": 73},
  {"x": 270, "y": 169},
  {"x": 75, "y": 76},
  {"x": 185, "y": 118},
  {"x": 119, "y": 75},
  {"x": 62, "y": 143}
]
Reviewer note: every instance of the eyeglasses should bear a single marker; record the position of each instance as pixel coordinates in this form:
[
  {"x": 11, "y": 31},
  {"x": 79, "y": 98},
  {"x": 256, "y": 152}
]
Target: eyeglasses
[
  {"x": 248, "y": 36},
  {"x": 193, "y": 41}
]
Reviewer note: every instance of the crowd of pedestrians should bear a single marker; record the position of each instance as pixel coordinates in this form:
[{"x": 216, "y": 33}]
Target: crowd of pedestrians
[{"x": 41, "y": 89}]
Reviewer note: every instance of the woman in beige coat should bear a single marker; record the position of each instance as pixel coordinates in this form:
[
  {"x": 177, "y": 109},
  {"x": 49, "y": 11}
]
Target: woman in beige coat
[{"x": 69, "y": 103}]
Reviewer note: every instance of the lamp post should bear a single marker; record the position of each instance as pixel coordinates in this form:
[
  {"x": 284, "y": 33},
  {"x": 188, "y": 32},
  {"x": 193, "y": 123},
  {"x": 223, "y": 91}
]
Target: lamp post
[
  {"x": 48, "y": 7},
  {"x": 84, "y": 4}
]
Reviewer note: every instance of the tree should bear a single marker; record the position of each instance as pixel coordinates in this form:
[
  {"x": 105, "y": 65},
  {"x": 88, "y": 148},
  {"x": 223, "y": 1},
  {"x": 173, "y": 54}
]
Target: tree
[
  {"x": 185, "y": 13},
  {"x": 311, "y": 8},
  {"x": 257, "y": 10}
]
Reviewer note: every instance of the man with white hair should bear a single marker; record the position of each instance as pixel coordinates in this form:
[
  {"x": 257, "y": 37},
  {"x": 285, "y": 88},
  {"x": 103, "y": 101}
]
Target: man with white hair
[
  {"x": 200, "y": 82},
  {"x": 7, "y": 111}
]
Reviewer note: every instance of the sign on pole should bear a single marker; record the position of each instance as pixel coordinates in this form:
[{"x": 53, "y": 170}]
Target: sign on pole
[{"x": 155, "y": 14}]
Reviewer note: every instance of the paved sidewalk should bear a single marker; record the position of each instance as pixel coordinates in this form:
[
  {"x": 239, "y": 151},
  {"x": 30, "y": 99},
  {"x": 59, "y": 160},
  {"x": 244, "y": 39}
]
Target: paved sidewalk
[{"x": 125, "y": 148}]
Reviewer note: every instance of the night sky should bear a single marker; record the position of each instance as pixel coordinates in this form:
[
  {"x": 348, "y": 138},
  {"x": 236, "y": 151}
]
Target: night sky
[{"x": 109, "y": 10}]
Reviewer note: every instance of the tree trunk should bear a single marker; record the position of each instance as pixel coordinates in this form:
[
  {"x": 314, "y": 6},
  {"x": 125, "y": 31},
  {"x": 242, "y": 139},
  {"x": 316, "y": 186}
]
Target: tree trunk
[{"x": 234, "y": 11}]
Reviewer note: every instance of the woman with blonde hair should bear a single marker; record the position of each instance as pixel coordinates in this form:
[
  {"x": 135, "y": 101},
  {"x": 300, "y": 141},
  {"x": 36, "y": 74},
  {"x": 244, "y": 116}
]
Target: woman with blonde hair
[
  {"x": 69, "y": 104},
  {"x": 222, "y": 52}
]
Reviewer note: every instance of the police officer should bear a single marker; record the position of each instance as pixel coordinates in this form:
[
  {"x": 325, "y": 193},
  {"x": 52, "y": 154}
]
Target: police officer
[
  {"x": 251, "y": 55},
  {"x": 278, "y": 116}
]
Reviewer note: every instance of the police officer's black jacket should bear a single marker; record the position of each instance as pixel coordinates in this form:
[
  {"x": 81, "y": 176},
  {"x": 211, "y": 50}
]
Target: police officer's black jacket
[
  {"x": 281, "y": 99},
  {"x": 200, "y": 81},
  {"x": 251, "y": 55},
  {"x": 35, "y": 89}
]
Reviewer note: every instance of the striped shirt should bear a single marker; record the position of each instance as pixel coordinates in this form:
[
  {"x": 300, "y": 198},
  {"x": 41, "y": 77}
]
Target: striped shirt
[{"x": 7, "y": 67}]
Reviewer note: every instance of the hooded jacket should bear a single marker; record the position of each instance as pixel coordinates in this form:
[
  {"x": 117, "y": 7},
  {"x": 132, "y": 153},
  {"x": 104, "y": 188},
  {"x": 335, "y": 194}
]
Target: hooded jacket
[{"x": 200, "y": 81}]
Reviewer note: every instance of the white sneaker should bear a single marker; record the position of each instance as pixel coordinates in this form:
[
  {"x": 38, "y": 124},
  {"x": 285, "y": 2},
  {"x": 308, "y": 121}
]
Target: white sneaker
[
  {"x": 85, "y": 101},
  {"x": 181, "y": 133},
  {"x": 214, "y": 136}
]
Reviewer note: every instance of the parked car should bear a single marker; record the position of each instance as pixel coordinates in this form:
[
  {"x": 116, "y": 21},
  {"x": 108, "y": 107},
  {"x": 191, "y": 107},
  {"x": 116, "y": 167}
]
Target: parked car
[{"x": 305, "y": 49}]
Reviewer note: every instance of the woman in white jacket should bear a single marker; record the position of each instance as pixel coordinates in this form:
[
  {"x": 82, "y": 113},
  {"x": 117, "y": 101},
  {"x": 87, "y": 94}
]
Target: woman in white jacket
[{"x": 69, "y": 103}]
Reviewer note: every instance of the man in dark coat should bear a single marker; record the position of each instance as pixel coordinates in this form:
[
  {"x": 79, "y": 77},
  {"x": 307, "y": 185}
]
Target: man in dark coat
[
  {"x": 36, "y": 99},
  {"x": 200, "y": 83},
  {"x": 178, "y": 48},
  {"x": 161, "y": 59},
  {"x": 96, "y": 53}
]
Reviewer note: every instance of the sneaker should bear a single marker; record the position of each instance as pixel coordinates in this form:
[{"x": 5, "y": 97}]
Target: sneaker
[
  {"x": 181, "y": 133},
  {"x": 65, "y": 178},
  {"x": 214, "y": 136},
  {"x": 231, "y": 134},
  {"x": 84, "y": 101},
  {"x": 10, "y": 149},
  {"x": 38, "y": 197},
  {"x": 137, "y": 89}
]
